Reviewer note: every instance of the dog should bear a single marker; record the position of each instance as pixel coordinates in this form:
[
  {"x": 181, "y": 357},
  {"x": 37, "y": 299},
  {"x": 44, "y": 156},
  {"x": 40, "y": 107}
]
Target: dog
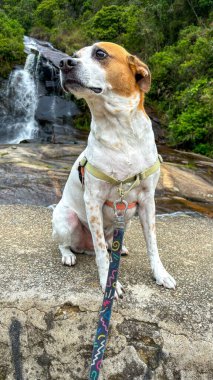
[{"x": 120, "y": 144}]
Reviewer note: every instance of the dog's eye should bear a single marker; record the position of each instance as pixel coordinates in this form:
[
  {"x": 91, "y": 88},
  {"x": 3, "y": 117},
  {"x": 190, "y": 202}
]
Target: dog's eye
[{"x": 100, "y": 54}]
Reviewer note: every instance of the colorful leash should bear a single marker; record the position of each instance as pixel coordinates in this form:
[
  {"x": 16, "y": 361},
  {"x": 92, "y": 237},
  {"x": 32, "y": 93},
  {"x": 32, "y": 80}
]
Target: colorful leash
[{"x": 105, "y": 313}]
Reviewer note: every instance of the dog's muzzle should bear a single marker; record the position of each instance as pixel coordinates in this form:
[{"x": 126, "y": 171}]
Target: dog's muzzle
[{"x": 69, "y": 81}]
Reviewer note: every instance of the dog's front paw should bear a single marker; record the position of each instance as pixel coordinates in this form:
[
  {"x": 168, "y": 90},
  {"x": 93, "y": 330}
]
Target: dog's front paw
[
  {"x": 119, "y": 290},
  {"x": 69, "y": 259},
  {"x": 162, "y": 277}
]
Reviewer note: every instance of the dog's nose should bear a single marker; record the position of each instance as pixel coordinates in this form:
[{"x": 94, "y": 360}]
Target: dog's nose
[{"x": 67, "y": 64}]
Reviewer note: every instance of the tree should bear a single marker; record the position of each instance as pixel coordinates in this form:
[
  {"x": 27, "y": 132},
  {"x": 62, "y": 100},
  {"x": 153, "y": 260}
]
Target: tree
[
  {"x": 11, "y": 43},
  {"x": 183, "y": 89},
  {"x": 22, "y": 11}
]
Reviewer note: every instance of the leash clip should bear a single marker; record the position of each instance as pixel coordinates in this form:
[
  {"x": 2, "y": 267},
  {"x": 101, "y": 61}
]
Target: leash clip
[{"x": 120, "y": 206}]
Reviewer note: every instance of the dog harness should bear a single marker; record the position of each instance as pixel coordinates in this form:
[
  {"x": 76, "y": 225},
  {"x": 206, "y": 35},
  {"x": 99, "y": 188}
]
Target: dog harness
[{"x": 134, "y": 180}]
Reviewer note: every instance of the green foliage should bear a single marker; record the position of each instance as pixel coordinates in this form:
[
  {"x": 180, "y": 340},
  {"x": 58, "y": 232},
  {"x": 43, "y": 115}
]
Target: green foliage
[
  {"x": 182, "y": 79},
  {"x": 47, "y": 12},
  {"x": 107, "y": 24},
  {"x": 11, "y": 43},
  {"x": 21, "y": 10},
  {"x": 191, "y": 117},
  {"x": 172, "y": 36}
]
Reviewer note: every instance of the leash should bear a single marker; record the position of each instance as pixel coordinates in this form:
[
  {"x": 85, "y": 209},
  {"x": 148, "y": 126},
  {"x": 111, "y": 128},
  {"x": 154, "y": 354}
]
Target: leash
[{"x": 99, "y": 345}]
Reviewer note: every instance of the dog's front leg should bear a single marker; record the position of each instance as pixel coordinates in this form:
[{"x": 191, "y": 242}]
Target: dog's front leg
[
  {"x": 96, "y": 227},
  {"x": 146, "y": 213},
  {"x": 95, "y": 220}
]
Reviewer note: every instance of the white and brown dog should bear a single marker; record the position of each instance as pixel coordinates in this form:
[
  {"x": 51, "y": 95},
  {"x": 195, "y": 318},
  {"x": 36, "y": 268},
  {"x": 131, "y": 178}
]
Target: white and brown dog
[{"x": 120, "y": 144}]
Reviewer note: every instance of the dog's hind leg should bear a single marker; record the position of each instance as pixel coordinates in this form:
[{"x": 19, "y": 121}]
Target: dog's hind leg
[
  {"x": 68, "y": 257},
  {"x": 67, "y": 231}
]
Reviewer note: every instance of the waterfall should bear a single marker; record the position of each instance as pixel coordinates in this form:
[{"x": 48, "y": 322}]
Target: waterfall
[
  {"x": 19, "y": 123},
  {"x": 32, "y": 103}
]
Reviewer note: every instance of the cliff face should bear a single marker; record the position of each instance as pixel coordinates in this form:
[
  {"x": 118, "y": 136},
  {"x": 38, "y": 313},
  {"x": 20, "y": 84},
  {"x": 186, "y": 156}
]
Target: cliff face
[{"x": 49, "y": 313}]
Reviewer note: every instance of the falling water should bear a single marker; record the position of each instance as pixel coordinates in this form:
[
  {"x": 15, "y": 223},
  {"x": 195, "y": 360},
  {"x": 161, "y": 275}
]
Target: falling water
[{"x": 19, "y": 124}]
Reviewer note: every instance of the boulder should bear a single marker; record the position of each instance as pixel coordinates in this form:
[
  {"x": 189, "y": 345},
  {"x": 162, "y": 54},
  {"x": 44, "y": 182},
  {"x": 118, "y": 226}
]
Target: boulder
[
  {"x": 54, "y": 108},
  {"x": 49, "y": 312}
]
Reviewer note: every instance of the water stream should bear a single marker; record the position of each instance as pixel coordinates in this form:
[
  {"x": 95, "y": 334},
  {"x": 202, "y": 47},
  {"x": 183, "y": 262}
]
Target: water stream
[{"x": 19, "y": 123}]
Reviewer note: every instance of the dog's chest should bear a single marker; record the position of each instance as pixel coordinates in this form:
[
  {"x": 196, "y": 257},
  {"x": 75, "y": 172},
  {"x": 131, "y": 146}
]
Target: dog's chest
[{"x": 133, "y": 156}]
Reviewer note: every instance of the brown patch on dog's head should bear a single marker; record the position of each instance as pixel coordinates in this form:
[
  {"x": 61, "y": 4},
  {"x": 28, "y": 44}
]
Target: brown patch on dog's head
[
  {"x": 141, "y": 73},
  {"x": 126, "y": 73}
]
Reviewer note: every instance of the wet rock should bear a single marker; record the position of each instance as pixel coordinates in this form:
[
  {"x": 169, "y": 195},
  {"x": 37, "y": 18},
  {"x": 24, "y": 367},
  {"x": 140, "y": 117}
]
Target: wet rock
[
  {"x": 186, "y": 182},
  {"x": 54, "y": 108},
  {"x": 36, "y": 174},
  {"x": 45, "y": 49},
  {"x": 54, "y": 115}
]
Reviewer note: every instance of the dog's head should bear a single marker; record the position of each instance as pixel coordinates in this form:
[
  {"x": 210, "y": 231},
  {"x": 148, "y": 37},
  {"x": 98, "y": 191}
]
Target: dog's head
[{"x": 103, "y": 68}]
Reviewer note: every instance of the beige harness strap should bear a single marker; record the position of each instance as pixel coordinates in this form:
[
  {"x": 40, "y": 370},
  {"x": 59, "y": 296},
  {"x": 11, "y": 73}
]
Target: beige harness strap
[{"x": 134, "y": 179}]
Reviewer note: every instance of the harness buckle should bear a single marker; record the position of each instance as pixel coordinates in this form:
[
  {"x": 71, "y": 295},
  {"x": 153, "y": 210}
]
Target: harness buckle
[
  {"x": 160, "y": 158},
  {"x": 121, "y": 191}
]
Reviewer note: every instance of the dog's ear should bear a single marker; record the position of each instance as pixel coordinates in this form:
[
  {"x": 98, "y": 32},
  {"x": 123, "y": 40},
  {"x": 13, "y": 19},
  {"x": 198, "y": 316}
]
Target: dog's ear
[{"x": 141, "y": 72}]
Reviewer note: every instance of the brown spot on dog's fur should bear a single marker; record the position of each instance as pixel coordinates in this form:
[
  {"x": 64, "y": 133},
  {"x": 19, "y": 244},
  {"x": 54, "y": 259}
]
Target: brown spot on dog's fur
[
  {"x": 101, "y": 245},
  {"x": 93, "y": 219},
  {"x": 118, "y": 71},
  {"x": 141, "y": 103},
  {"x": 98, "y": 234},
  {"x": 121, "y": 70}
]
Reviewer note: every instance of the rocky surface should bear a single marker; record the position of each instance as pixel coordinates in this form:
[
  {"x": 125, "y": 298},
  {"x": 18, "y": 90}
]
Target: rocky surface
[
  {"x": 45, "y": 49},
  {"x": 48, "y": 312},
  {"x": 36, "y": 174}
]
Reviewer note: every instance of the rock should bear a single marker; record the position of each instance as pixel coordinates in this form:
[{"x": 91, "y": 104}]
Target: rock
[
  {"x": 158, "y": 129},
  {"x": 54, "y": 115},
  {"x": 126, "y": 365},
  {"x": 36, "y": 174},
  {"x": 49, "y": 312},
  {"x": 54, "y": 108},
  {"x": 45, "y": 49}
]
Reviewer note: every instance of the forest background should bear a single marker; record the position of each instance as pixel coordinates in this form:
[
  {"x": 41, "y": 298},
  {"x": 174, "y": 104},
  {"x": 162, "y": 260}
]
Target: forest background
[{"x": 174, "y": 37}]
